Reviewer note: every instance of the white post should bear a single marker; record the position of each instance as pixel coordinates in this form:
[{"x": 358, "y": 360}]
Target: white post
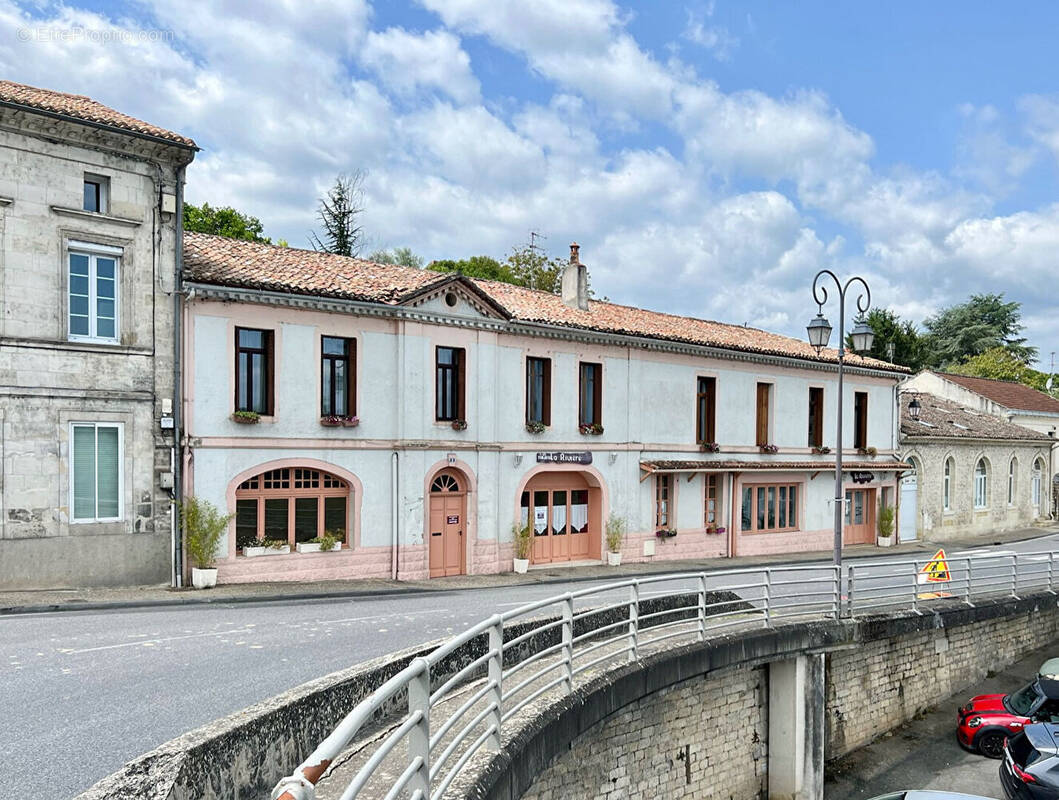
[
  {"x": 702, "y": 607},
  {"x": 634, "y": 620},
  {"x": 768, "y": 598},
  {"x": 1015, "y": 575},
  {"x": 496, "y": 677},
  {"x": 568, "y": 643},
  {"x": 419, "y": 735}
]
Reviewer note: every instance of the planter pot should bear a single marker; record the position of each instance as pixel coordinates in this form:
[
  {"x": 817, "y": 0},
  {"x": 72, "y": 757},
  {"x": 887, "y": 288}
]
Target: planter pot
[
  {"x": 245, "y": 420},
  {"x": 316, "y": 547},
  {"x": 254, "y": 552},
  {"x": 886, "y": 541},
  {"x": 203, "y": 578},
  {"x": 521, "y": 565},
  {"x": 613, "y": 559}
]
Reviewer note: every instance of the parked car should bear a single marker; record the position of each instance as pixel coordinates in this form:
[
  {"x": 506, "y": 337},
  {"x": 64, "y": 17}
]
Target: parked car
[
  {"x": 923, "y": 794},
  {"x": 1030, "y": 769},
  {"x": 988, "y": 720}
]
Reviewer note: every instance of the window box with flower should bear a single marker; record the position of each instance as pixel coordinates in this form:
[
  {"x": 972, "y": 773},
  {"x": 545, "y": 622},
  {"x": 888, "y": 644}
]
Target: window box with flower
[
  {"x": 536, "y": 427},
  {"x": 769, "y": 449},
  {"x": 821, "y": 450},
  {"x": 266, "y": 547},
  {"x": 867, "y": 451},
  {"x": 666, "y": 533},
  {"x": 593, "y": 429},
  {"x": 246, "y": 417},
  {"x": 459, "y": 424},
  {"x": 339, "y": 421},
  {"x": 711, "y": 447}
]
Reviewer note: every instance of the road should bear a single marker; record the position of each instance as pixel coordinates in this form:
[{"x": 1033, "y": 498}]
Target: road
[
  {"x": 86, "y": 691},
  {"x": 924, "y": 754}
]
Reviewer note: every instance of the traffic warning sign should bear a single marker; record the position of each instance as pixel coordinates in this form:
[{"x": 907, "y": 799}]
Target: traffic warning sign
[{"x": 936, "y": 570}]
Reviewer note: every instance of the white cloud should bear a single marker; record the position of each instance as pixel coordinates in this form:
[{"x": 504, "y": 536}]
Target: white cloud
[
  {"x": 715, "y": 38},
  {"x": 1042, "y": 114},
  {"x": 407, "y": 62}
]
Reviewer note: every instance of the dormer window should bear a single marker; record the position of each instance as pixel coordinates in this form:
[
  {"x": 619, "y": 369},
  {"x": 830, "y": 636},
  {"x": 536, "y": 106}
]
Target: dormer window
[{"x": 97, "y": 189}]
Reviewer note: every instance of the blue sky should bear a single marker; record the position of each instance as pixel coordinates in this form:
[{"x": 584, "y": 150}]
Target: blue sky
[{"x": 708, "y": 156}]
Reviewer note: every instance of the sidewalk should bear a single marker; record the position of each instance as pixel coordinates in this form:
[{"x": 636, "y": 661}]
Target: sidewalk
[{"x": 45, "y": 600}]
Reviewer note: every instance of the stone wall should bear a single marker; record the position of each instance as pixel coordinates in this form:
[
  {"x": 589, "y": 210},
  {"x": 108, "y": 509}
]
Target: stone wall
[
  {"x": 703, "y": 738},
  {"x": 881, "y": 684}
]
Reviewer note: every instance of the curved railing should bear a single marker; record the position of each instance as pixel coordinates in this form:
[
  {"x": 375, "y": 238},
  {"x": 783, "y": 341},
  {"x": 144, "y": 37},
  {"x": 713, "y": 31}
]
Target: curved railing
[{"x": 547, "y": 647}]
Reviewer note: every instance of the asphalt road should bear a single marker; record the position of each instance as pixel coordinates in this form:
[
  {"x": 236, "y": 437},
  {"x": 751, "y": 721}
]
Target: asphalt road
[
  {"x": 84, "y": 692},
  {"x": 924, "y": 754}
]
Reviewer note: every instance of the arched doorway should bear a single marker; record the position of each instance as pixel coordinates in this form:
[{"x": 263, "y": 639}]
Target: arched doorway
[
  {"x": 908, "y": 511},
  {"x": 564, "y": 511},
  {"x": 448, "y": 522}
]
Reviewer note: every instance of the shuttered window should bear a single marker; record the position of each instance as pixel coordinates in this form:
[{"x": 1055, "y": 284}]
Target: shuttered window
[
  {"x": 706, "y": 411},
  {"x": 92, "y": 293},
  {"x": 96, "y": 471},
  {"x": 762, "y": 432}
]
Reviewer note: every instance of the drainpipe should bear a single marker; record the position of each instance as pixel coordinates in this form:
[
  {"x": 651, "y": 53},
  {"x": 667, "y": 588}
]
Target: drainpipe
[
  {"x": 394, "y": 513},
  {"x": 178, "y": 415},
  {"x": 732, "y": 519}
]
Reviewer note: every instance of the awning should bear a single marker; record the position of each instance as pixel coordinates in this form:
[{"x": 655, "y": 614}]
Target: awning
[{"x": 668, "y": 466}]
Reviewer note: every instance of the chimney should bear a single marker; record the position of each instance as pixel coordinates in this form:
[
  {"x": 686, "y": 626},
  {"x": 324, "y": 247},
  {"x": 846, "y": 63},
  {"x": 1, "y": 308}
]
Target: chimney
[{"x": 575, "y": 281}]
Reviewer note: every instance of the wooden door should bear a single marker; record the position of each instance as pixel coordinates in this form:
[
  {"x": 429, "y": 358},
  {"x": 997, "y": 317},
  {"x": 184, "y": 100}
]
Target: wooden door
[
  {"x": 448, "y": 522},
  {"x": 563, "y": 511},
  {"x": 541, "y": 519},
  {"x": 860, "y": 517}
]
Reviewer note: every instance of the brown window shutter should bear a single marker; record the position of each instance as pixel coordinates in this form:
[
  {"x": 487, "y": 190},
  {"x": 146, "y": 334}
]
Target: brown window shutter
[
  {"x": 351, "y": 379},
  {"x": 546, "y": 410},
  {"x": 461, "y": 383},
  {"x": 270, "y": 371},
  {"x": 711, "y": 410},
  {"x": 762, "y": 414},
  {"x": 597, "y": 395}
]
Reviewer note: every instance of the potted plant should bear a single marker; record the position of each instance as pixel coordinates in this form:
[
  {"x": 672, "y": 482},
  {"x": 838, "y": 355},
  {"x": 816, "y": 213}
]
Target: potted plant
[
  {"x": 203, "y": 527},
  {"x": 266, "y": 547},
  {"x": 886, "y": 526},
  {"x": 768, "y": 449},
  {"x": 666, "y": 533},
  {"x": 595, "y": 429},
  {"x": 246, "y": 417},
  {"x": 536, "y": 426},
  {"x": 615, "y": 536},
  {"x": 331, "y": 540},
  {"x": 711, "y": 447},
  {"x": 822, "y": 450},
  {"x": 867, "y": 451},
  {"x": 522, "y": 535},
  {"x": 459, "y": 424},
  {"x": 337, "y": 421}
]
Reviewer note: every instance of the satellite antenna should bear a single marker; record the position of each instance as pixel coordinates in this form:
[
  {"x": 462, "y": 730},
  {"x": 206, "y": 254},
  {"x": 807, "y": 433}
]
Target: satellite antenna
[{"x": 1048, "y": 383}]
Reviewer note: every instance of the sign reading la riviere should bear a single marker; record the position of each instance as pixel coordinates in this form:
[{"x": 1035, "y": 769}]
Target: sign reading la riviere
[{"x": 564, "y": 458}]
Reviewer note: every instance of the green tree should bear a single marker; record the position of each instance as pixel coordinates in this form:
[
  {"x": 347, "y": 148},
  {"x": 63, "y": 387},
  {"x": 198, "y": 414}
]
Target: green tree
[
  {"x": 475, "y": 267},
  {"x": 224, "y": 221},
  {"x": 984, "y": 322},
  {"x": 339, "y": 212},
  {"x": 1000, "y": 364},
  {"x": 401, "y": 256},
  {"x": 910, "y": 348},
  {"x": 531, "y": 268}
]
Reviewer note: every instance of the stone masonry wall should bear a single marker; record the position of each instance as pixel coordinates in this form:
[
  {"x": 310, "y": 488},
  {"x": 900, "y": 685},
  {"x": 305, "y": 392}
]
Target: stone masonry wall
[
  {"x": 702, "y": 738},
  {"x": 881, "y": 684}
]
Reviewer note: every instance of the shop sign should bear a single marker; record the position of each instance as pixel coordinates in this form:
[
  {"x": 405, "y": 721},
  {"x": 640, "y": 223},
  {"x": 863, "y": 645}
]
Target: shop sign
[
  {"x": 564, "y": 458},
  {"x": 452, "y": 519},
  {"x": 862, "y": 477}
]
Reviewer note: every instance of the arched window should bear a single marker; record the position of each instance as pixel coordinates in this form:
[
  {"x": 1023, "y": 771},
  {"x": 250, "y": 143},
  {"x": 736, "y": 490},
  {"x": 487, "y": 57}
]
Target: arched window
[
  {"x": 1036, "y": 485},
  {"x": 1012, "y": 472},
  {"x": 445, "y": 482},
  {"x": 291, "y": 504},
  {"x": 946, "y": 486},
  {"x": 981, "y": 484}
]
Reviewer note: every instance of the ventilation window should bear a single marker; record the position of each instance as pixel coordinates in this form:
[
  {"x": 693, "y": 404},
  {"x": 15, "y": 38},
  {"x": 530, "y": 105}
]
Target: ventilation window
[
  {"x": 96, "y": 193},
  {"x": 451, "y": 299}
]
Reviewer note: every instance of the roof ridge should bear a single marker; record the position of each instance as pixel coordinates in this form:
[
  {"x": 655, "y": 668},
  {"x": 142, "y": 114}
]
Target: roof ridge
[{"x": 54, "y": 91}]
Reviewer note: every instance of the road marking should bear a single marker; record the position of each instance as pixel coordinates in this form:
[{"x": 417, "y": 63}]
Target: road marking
[
  {"x": 377, "y": 617},
  {"x": 150, "y": 643}
]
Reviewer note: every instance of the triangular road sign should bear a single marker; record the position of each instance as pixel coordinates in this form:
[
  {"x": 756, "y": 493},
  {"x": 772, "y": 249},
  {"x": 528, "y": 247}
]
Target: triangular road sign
[{"x": 936, "y": 570}]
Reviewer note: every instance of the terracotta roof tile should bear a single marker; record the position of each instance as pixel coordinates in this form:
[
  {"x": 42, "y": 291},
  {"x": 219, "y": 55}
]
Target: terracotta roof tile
[
  {"x": 945, "y": 419},
  {"x": 1016, "y": 396},
  {"x": 83, "y": 108},
  {"x": 773, "y": 466},
  {"x": 232, "y": 262}
]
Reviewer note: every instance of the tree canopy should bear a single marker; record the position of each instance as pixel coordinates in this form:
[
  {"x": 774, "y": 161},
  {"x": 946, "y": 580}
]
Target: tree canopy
[
  {"x": 526, "y": 266},
  {"x": 483, "y": 267},
  {"x": 1000, "y": 364},
  {"x": 401, "y": 256},
  {"x": 339, "y": 214},
  {"x": 910, "y": 349},
  {"x": 225, "y": 221},
  {"x": 983, "y": 323}
]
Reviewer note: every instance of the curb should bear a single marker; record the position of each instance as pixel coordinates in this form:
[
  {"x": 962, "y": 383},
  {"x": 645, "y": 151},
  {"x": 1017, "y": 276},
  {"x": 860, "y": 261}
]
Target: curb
[{"x": 185, "y": 602}]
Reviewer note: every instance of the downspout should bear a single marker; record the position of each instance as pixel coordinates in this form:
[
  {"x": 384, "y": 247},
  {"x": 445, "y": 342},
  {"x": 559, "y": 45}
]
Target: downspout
[
  {"x": 178, "y": 378},
  {"x": 732, "y": 519},
  {"x": 394, "y": 512}
]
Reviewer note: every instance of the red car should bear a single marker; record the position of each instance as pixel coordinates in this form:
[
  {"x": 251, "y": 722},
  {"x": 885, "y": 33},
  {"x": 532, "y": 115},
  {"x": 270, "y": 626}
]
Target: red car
[{"x": 985, "y": 723}]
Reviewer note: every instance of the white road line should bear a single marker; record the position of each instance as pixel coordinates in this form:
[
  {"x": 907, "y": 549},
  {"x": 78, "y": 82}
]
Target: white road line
[
  {"x": 141, "y": 643},
  {"x": 376, "y": 617}
]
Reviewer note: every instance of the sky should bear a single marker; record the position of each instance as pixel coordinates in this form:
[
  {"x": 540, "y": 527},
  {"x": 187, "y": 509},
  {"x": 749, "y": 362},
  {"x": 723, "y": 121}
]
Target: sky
[{"x": 709, "y": 156}]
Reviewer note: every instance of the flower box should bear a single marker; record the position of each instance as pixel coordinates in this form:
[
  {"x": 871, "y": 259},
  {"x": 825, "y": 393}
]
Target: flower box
[
  {"x": 595, "y": 429},
  {"x": 711, "y": 447},
  {"x": 665, "y": 533},
  {"x": 316, "y": 547},
  {"x": 867, "y": 451},
  {"x": 536, "y": 427},
  {"x": 339, "y": 422},
  {"x": 821, "y": 451},
  {"x": 768, "y": 449},
  {"x": 246, "y": 417},
  {"x": 255, "y": 552},
  {"x": 459, "y": 424}
]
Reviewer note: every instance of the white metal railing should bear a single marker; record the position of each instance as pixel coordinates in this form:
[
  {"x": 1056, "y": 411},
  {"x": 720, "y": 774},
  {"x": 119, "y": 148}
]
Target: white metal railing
[{"x": 544, "y": 647}]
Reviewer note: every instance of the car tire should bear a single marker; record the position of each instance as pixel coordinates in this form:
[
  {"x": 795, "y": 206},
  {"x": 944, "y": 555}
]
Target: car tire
[{"x": 990, "y": 743}]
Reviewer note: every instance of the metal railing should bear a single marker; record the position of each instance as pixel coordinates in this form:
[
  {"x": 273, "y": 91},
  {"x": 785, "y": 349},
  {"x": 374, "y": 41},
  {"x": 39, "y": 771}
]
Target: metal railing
[{"x": 545, "y": 648}]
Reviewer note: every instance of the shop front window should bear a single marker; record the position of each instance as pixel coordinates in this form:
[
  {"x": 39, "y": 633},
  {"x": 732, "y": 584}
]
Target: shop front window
[{"x": 291, "y": 505}]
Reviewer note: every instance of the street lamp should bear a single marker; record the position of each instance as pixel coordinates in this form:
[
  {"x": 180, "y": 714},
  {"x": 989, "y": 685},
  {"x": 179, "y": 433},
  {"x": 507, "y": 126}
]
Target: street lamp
[
  {"x": 914, "y": 409},
  {"x": 862, "y": 336}
]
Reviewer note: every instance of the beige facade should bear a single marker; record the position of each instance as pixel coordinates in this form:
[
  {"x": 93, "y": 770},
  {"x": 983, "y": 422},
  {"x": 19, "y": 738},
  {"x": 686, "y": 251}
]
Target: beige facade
[{"x": 87, "y": 339}]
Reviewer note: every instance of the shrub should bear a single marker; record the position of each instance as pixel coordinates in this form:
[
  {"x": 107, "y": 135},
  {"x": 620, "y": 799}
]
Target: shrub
[
  {"x": 203, "y": 525},
  {"x": 615, "y": 533},
  {"x": 522, "y": 535},
  {"x": 886, "y": 521}
]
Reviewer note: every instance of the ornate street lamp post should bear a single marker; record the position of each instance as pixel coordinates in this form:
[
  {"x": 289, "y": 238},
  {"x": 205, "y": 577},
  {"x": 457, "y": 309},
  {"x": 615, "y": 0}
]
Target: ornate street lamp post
[{"x": 819, "y": 330}]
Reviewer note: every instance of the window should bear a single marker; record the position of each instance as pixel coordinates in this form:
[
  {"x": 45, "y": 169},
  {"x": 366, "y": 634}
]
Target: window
[
  {"x": 253, "y": 370},
  {"x": 96, "y": 471},
  {"x": 770, "y": 507},
  {"x": 590, "y": 410},
  {"x": 1035, "y": 487},
  {"x": 981, "y": 485},
  {"x": 292, "y": 504},
  {"x": 763, "y": 391},
  {"x": 92, "y": 293},
  {"x": 96, "y": 191},
  {"x": 663, "y": 498},
  {"x": 816, "y": 416},
  {"x": 860, "y": 420},
  {"x": 338, "y": 377},
  {"x": 709, "y": 501},
  {"x": 946, "y": 486},
  {"x": 706, "y": 411},
  {"x": 539, "y": 390},
  {"x": 1012, "y": 469},
  {"x": 449, "y": 391}
]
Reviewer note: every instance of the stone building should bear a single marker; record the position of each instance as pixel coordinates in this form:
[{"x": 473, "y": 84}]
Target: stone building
[
  {"x": 417, "y": 416},
  {"x": 972, "y": 472},
  {"x": 90, "y": 233}
]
